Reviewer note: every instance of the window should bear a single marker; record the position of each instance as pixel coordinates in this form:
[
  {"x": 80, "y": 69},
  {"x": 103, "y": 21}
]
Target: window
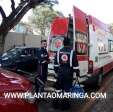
[
  {"x": 11, "y": 53},
  {"x": 28, "y": 51},
  {"x": 110, "y": 45}
]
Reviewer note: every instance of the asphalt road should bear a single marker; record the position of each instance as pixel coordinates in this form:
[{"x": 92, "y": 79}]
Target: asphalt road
[
  {"x": 105, "y": 105},
  {"x": 102, "y": 105}
]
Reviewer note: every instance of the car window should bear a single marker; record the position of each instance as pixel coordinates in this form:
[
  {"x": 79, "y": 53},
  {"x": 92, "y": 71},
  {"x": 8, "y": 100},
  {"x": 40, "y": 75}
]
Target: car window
[
  {"x": 36, "y": 50},
  {"x": 28, "y": 52},
  {"x": 20, "y": 51},
  {"x": 11, "y": 53}
]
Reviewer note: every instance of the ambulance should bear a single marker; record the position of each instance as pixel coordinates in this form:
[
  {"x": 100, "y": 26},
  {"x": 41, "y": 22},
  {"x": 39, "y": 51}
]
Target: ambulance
[{"x": 90, "y": 38}]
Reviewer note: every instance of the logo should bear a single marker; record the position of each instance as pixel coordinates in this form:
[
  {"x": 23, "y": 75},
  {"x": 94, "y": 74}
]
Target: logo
[
  {"x": 64, "y": 57},
  {"x": 58, "y": 43}
]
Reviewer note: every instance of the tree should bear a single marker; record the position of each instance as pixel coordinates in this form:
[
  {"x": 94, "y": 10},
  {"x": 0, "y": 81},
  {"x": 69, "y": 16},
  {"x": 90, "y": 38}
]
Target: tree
[
  {"x": 111, "y": 28},
  {"x": 41, "y": 18},
  {"x": 8, "y": 22}
]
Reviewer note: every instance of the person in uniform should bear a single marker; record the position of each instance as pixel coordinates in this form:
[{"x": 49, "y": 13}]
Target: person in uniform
[
  {"x": 65, "y": 65},
  {"x": 43, "y": 60}
]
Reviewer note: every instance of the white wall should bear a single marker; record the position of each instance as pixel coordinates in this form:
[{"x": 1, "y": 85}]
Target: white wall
[{"x": 17, "y": 39}]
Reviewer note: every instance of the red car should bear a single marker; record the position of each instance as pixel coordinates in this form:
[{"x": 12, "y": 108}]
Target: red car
[{"x": 12, "y": 82}]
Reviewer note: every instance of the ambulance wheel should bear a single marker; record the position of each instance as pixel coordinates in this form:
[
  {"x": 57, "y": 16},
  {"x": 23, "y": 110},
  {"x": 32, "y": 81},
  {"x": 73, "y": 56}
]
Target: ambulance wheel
[{"x": 99, "y": 80}]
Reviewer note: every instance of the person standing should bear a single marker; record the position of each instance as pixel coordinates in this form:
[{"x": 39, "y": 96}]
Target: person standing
[
  {"x": 65, "y": 65},
  {"x": 43, "y": 60}
]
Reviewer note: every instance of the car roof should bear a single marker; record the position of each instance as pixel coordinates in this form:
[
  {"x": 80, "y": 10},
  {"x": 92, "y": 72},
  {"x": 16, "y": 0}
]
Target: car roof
[{"x": 24, "y": 47}]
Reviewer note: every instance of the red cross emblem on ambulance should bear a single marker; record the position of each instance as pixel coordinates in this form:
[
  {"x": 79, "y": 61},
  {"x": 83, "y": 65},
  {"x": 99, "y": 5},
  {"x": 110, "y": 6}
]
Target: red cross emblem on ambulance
[{"x": 64, "y": 57}]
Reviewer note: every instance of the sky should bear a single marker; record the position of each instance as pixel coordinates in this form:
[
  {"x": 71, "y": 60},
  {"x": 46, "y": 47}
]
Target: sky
[{"x": 101, "y": 9}]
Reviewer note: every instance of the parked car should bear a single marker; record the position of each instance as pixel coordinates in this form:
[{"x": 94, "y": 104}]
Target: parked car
[
  {"x": 12, "y": 82},
  {"x": 23, "y": 58}
]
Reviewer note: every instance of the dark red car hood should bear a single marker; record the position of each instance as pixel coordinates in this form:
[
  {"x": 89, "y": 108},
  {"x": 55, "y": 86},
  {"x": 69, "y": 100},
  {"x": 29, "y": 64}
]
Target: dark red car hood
[{"x": 10, "y": 81}]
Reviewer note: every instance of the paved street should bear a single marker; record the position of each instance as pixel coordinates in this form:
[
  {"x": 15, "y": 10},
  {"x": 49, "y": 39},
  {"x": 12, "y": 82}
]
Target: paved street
[
  {"x": 105, "y": 105},
  {"x": 46, "y": 106},
  {"x": 102, "y": 105}
]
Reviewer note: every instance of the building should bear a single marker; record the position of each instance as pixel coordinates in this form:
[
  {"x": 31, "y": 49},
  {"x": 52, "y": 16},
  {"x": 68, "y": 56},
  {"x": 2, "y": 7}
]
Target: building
[{"x": 23, "y": 28}]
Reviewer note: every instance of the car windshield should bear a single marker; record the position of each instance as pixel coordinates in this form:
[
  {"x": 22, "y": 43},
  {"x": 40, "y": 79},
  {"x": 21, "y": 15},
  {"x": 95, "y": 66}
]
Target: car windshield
[{"x": 11, "y": 53}]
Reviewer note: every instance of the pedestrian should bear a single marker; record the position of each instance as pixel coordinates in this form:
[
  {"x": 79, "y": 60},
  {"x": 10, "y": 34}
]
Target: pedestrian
[
  {"x": 43, "y": 60},
  {"x": 65, "y": 65}
]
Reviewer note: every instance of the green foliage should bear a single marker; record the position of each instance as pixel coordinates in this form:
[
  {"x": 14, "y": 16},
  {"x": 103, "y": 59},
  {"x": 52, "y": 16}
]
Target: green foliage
[{"x": 42, "y": 17}]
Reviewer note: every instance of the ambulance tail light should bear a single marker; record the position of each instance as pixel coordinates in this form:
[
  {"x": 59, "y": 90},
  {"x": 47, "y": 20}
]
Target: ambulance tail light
[{"x": 90, "y": 66}]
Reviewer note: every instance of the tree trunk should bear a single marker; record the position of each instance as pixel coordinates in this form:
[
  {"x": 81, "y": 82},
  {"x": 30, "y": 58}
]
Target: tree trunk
[
  {"x": 42, "y": 33},
  {"x": 2, "y": 42}
]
